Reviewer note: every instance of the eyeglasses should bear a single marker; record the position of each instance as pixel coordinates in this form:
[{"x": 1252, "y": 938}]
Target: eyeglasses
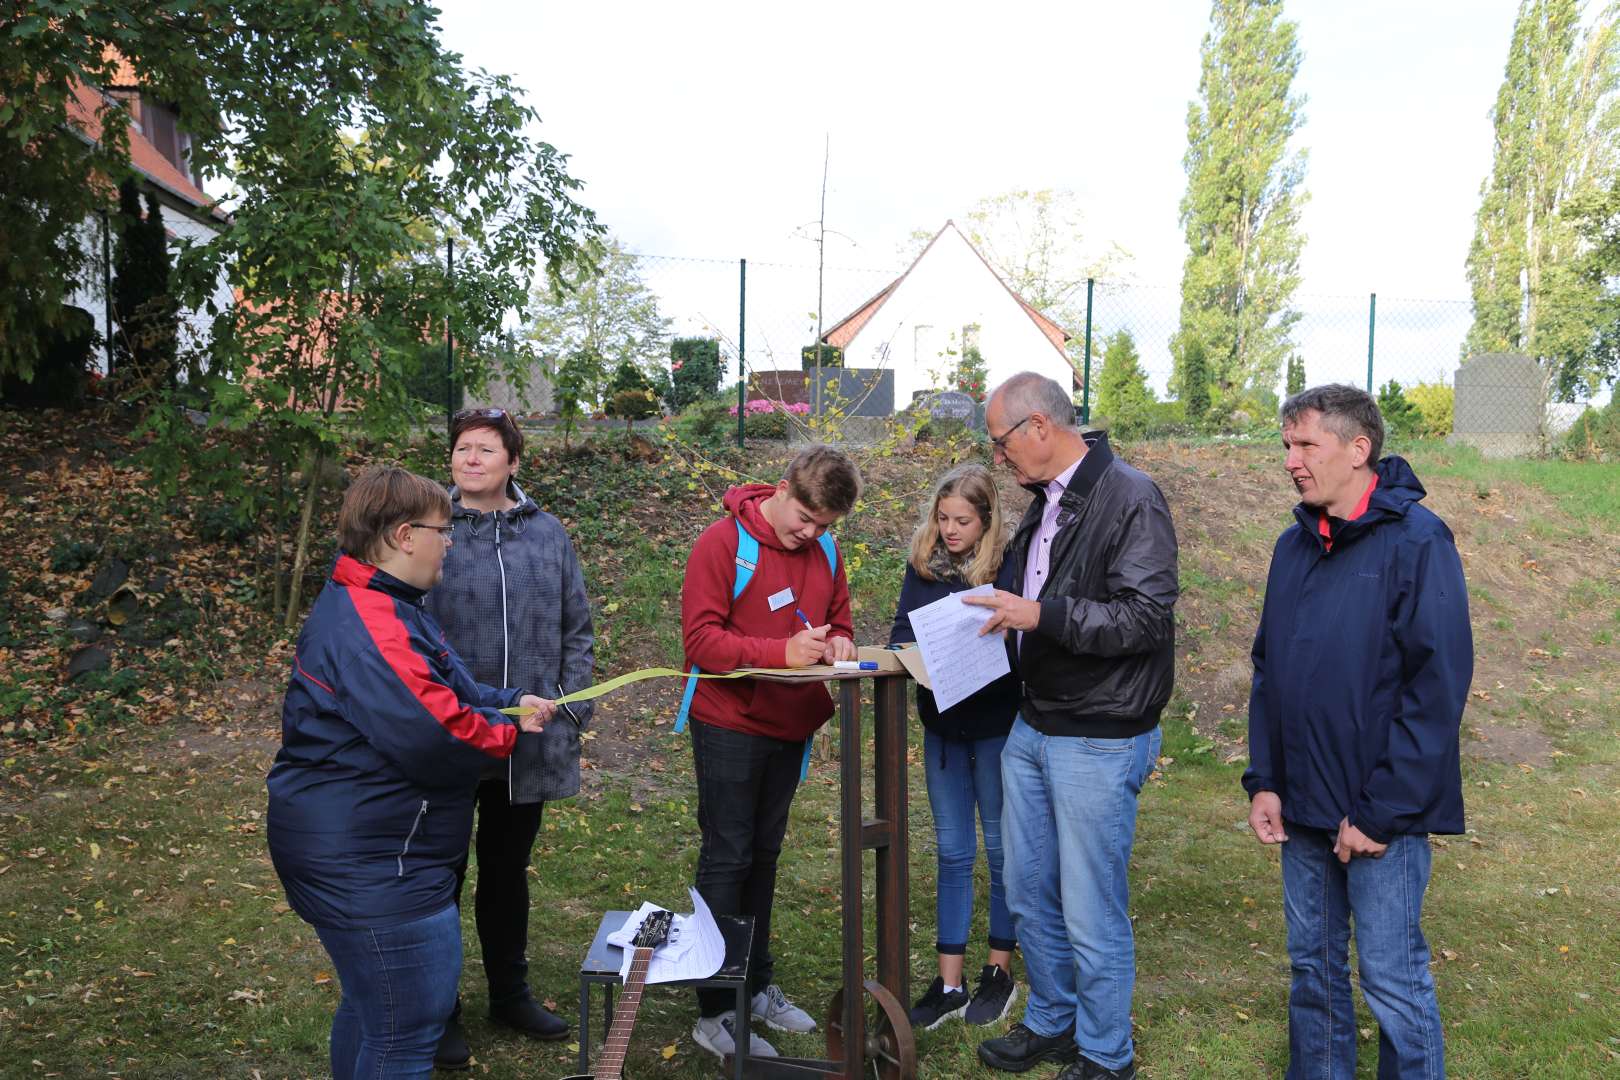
[
  {"x": 1000, "y": 443},
  {"x": 442, "y": 530}
]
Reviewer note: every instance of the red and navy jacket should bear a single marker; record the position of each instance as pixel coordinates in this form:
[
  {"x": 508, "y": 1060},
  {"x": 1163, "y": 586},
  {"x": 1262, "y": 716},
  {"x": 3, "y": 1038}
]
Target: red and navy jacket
[
  {"x": 384, "y": 735},
  {"x": 1361, "y": 668}
]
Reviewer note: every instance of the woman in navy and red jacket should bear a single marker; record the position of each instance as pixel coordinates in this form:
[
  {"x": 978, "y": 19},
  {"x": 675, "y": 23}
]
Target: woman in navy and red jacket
[
  {"x": 959, "y": 543},
  {"x": 384, "y": 737}
]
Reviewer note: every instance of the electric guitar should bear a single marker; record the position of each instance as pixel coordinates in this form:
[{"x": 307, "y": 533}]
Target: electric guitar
[{"x": 653, "y": 932}]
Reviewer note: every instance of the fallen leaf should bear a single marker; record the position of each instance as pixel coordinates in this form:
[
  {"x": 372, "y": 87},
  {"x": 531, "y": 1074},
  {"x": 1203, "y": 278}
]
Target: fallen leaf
[{"x": 668, "y": 1051}]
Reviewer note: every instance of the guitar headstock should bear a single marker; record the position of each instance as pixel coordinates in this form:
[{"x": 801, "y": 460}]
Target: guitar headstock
[{"x": 654, "y": 930}]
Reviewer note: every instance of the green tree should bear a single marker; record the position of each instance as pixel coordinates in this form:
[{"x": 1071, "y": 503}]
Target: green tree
[
  {"x": 695, "y": 370},
  {"x": 1123, "y": 394},
  {"x": 1296, "y": 375},
  {"x": 1593, "y": 359},
  {"x": 54, "y": 179},
  {"x": 1401, "y": 417},
  {"x": 1194, "y": 381},
  {"x": 630, "y": 395},
  {"x": 972, "y": 374},
  {"x": 576, "y": 385},
  {"x": 145, "y": 342},
  {"x": 1557, "y": 123},
  {"x": 337, "y": 243},
  {"x": 1244, "y": 195},
  {"x": 606, "y": 311}
]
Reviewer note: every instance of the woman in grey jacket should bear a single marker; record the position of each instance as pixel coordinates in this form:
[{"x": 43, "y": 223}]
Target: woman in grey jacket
[{"x": 513, "y": 605}]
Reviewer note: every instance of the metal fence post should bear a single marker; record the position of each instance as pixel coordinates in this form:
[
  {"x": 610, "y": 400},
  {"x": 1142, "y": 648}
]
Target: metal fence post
[
  {"x": 742, "y": 342},
  {"x": 106, "y": 287},
  {"x": 1372, "y": 324},
  {"x": 449, "y": 339},
  {"x": 1085, "y": 389}
]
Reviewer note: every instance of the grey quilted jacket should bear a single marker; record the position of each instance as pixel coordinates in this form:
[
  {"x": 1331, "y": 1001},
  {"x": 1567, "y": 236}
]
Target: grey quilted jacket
[{"x": 513, "y": 605}]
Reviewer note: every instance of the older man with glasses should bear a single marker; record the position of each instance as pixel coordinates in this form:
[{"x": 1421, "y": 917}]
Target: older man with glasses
[{"x": 1096, "y": 553}]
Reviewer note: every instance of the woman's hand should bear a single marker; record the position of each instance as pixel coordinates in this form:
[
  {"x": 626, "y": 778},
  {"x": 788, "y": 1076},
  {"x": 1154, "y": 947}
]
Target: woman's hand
[{"x": 544, "y": 710}]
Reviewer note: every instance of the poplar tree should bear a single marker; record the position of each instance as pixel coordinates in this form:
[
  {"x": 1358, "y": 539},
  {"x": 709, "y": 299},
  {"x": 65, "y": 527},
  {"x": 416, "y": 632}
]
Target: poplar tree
[
  {"x": 1244, "y": 196},
  {"x": 1557, "y": 119}
]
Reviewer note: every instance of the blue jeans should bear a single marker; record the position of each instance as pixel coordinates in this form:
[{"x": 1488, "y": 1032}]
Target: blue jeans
[
  {"x": 962, "y": 776},
  {"x": 399, "y": 984},
  {"x": 1384, "y": 896},
  {"x": 1068, "y": 821}
]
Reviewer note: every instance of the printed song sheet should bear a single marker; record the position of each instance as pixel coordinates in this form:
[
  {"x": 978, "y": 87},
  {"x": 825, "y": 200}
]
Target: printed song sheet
[
  {"x": 695, "y": 949},
  {"x": 958, "y": 659}
]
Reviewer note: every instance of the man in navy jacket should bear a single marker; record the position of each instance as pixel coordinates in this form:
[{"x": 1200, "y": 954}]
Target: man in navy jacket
[{"x": 1361, "y": 670}]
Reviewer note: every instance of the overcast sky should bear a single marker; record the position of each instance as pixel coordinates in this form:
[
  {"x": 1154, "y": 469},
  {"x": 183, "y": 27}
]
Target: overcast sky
[{"x": 698, "y": 127}]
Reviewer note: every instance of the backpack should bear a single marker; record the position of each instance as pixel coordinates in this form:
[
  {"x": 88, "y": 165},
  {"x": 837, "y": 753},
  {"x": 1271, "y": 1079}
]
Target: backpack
[{"x": 747, "y": 560}]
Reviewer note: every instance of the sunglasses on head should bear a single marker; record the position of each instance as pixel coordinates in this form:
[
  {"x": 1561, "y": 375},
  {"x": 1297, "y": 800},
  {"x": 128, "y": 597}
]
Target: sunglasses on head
[{"x": 479, "y": 414}]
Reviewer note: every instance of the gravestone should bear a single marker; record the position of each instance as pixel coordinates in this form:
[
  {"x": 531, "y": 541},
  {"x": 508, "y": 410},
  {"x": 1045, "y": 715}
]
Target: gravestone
[
  {"x": 955, "y": 405},
  {"x": 1500, "y": 408}
]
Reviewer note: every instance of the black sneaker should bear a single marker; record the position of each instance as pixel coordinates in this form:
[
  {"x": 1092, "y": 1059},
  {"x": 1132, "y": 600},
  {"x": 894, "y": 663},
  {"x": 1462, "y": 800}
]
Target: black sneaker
[
  {"x": 992, "y": 998},
  {"x": 1021, "y": 1049},
  {"x": 937, "y": 1006},
  {"x": 1086, "y": 1069}
]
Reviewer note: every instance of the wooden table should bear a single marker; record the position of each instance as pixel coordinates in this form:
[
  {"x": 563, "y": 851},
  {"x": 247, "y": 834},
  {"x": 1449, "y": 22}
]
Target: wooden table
[{"x": 867, "y": 1020}]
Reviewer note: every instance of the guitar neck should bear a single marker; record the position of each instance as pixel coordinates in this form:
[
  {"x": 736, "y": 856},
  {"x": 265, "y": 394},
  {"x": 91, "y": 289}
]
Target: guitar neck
[{"x": 610, "y": 1065}]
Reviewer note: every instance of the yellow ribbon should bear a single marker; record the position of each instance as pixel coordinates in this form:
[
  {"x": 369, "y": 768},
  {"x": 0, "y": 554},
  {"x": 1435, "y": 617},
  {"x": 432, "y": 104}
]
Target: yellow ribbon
[{"x": 635, "y": 676}]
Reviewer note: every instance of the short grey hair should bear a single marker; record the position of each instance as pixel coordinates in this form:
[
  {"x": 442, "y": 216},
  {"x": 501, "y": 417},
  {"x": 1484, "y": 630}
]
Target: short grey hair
[
  {"x": 1030, "y": 392},
  {"x": 1347, "y": 411}
]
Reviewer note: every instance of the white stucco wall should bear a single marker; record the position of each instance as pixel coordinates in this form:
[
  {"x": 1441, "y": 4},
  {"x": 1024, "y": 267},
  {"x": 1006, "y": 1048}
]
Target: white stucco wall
[
  {"x": 195, "y": 323},
  {"x": 921, "y": 324}
]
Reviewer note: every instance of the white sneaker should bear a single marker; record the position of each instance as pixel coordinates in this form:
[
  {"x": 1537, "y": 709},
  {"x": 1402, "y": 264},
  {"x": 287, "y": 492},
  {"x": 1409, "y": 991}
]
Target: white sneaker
[
  {"x": 771, "y": 1006},
  {"x": 717, "y": 1035}
]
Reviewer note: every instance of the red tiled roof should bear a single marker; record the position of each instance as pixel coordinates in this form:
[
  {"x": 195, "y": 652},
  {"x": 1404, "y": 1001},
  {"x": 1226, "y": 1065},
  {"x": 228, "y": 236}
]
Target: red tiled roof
[
  {"x": 844, "y": 331},
  {"x": 85, "y": 111}
]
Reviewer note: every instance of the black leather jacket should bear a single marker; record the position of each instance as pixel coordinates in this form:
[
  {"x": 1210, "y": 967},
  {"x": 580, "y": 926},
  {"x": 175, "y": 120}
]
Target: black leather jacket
[{"x": 1102, "y": 660}]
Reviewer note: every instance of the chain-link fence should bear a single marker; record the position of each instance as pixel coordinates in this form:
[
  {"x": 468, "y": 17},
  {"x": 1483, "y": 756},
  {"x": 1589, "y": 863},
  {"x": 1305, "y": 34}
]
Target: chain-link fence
[{"x": 899, "y": 334}]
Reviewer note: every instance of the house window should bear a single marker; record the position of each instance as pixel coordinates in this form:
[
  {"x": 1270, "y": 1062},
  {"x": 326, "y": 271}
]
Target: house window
[{"x": 158, "y": 123}]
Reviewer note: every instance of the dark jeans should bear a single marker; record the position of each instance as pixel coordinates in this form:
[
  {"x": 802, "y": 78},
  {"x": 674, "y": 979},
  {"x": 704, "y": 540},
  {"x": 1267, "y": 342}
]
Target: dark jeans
[
  {"x": 398, "y": 985},
  {"x": 504, "y": 842},
  {"x": 745, "y": 785}
]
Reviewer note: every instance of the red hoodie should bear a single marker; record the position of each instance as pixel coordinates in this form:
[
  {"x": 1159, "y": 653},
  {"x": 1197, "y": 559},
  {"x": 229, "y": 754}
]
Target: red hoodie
[{"x": 721, "y": 634}]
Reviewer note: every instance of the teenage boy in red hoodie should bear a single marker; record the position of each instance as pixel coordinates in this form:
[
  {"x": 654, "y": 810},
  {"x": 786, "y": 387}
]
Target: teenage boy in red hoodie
[{"x": 748, "y": 736}]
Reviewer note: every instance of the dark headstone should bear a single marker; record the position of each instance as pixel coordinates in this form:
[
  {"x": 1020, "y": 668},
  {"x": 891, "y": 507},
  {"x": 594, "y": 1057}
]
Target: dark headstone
[
  {"x": 954, "y": 405},
  {"x": 88, "y": 659},
  {"x": 113, "y": 573},
  {"x": 81, "y": 630}
]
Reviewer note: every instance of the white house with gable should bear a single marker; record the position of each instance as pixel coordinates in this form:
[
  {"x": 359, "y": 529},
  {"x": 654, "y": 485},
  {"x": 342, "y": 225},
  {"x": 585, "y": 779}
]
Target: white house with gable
[{"x": 950, "y": 298}]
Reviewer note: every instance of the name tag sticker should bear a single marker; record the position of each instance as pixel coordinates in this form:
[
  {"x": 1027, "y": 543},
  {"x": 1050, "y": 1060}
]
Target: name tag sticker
[{"x": 781, "y": 600}]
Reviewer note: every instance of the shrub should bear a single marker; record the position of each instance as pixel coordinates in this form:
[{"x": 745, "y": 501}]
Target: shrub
[
  {"x": 831, "y": 356},
  {"x": 706, "y": 423},
  {"x": 63, "y": 370},
  {"x": 1435, "y": 403},
  {"x": 694, "y": 366},
  {"x": 1123, "y": 396},
  {"x": 766, "y": 419},
  {"x": 1595, "y": 434},
  {"x": 1401, "y": 417},
  {"x": 630, "y": 396}
]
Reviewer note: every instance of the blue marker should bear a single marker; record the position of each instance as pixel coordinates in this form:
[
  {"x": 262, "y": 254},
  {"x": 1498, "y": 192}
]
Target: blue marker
[
  {"x": 800, "y": 613},
  {"x": 855, "y": 665}
]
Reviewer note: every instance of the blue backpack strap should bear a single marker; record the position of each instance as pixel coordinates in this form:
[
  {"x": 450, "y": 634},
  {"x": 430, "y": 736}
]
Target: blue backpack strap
[
  {"x": 829, "y": 548},
  {"x": 747, "y": 561}
]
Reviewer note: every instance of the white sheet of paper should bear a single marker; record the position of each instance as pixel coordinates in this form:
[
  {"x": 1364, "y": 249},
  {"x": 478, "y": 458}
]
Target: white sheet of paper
[
  {"x": 958, "y": 658},
  {"x": 695, "y": 949}
]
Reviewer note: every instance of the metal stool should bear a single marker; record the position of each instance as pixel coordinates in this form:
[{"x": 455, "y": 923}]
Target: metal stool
[{"x": 603, "y": 961}]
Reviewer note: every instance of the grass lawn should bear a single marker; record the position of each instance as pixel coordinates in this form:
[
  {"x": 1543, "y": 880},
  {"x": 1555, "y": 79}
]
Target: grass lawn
[{"x": 143, "y": 932}]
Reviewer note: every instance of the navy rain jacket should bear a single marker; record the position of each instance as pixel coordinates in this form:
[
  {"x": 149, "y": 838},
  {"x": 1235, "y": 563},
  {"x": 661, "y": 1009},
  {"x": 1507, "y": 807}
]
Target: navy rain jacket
[
  {"x": 384, "y": 735},
  {"x": 1361, "y": 669}
]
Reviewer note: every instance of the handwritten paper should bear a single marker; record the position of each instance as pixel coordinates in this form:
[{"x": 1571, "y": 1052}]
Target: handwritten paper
[{"x": 959, "y": 660}]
